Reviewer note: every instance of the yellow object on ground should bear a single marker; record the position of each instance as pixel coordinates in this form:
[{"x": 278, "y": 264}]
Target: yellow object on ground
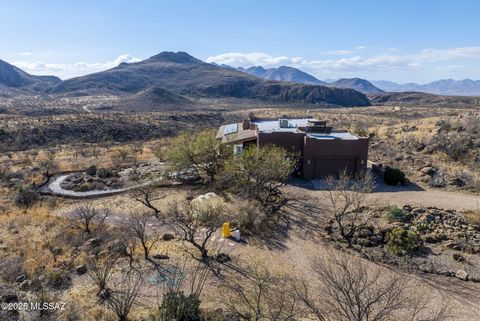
[{"x": 226, "y": 230}]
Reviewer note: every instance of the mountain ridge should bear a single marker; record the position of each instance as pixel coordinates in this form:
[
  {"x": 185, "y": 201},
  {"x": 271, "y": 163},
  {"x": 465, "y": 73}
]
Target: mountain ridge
[
  {"x": 14, "y": 77},
  {"x": 464, "y": 87},
  {"x": 291, "y": 74},
  {"x": 182, "y": 75}
]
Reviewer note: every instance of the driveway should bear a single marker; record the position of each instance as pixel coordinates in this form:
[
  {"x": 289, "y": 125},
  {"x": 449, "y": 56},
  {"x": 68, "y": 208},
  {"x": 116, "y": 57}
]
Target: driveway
[{"x": 399, "y": 195}]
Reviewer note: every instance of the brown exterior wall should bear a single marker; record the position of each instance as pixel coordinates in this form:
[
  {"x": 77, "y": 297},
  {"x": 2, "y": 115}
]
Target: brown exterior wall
[
  {"x": 329, "y": 156},
  {"x": 293, "y": 142},
  {"x": 333, "y": 155}
]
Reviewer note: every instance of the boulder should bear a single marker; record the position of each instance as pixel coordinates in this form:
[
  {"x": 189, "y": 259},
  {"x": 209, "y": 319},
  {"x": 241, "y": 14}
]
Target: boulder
[
  {"x": 428, "y": 170},
  {"x": 437, "y": 180},
  {"x": 365, "y": 232},
  {"x": 160, "y": 257},
  {"x": 21, "y": 278},
  {"x": 8, "y": 296},
  {"x": 462, "y": 275},
  {"x": 458, "y": 257},
  {"x": 222, "y": 258},
  {"x": 457, "y": 181},
  {"x": 25, "y": 285},
  {"x": 93, "y": 242},
  {"x": 81, "y": 269},
  {"x": 167, "y": 237},
  {"x": 92, "y": 170}
]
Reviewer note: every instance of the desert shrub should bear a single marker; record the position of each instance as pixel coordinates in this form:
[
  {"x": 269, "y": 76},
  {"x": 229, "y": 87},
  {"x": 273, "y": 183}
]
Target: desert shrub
[
  {"x": 103, "y": 173},
  {"x": 455, "y": 145},
  {"x": 422, "y": 226},
  {"x": 259, "y": 173},
  {"x": 11, "y": 268},
  {"x": 178, "y": 306},
  {"x": 250, "y": 217},
  {"x": 57, "y": 278},
  {"x": 4, "y": 172},
  {"x": 92, "y": 170},
  {"x": 401, "y": 241},
  {"x": 396, "y": 213},
  {"x": 473, "y": 216},
  {"x": 85, "y": 187},
  {"x": 394, "y": 176},
  {"x": 25, "y": 197}
]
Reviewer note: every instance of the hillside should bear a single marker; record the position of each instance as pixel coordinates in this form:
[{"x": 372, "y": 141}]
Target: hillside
[
  {"x": 185, "y": 75},
  {"x": 357, "y": 84},
  {"x": 422, "y": 99},
  {"x": 13, "y": 77},
  {"x": 154, "y": 99}
]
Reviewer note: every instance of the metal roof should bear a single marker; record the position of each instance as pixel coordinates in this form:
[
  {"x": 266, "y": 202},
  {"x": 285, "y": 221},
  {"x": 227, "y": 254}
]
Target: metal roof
[{"x": 268, "y": 126}]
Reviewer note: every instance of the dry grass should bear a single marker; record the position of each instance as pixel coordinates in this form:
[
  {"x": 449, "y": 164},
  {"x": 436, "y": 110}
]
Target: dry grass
[{"x": 473, "y": 216}]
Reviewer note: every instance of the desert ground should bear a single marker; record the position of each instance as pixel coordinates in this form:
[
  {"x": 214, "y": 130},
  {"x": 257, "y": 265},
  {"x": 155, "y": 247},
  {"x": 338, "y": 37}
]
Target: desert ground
[{"x": 47, "y": 253}]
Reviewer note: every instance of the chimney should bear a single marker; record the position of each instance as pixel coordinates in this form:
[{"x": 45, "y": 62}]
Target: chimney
[{"x": 246, "y": 124}]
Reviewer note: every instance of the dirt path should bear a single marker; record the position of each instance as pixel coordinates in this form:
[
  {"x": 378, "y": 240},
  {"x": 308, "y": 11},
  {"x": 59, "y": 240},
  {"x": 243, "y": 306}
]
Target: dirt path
[
  {"x": 435, "y": 198},
  {"x": 402, "y": 195}
]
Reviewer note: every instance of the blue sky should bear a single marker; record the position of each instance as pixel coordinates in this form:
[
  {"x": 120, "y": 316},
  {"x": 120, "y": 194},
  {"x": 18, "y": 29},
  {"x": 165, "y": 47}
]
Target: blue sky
[{"x": 403, "y": 41}]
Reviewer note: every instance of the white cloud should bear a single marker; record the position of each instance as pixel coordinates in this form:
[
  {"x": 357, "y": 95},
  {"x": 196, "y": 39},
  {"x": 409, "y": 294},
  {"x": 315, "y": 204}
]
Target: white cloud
[
  {"x": 385, "y": 62},
  {"x": 337, "y": 52},
  {"x": 25, "y": 53},
  {"x": 73, "y": 69}
]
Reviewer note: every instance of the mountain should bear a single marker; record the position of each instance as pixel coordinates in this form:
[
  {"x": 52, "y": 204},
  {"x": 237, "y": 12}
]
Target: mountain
[
  {"x": 154, "y": 99},
  {"x": 182, "y": 74},
  {"x": 422, "y": 99},
  {"x": 283, "y": 73},
  {"x": 361, "y": 85},
  {"x": 13, "y": 77},
  {"x": 465, "y": 87},
  {"x": 286, "y": 73}
]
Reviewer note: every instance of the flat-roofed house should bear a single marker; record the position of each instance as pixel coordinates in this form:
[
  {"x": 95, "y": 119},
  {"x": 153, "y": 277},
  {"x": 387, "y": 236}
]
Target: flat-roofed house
[{"x": 323, "y": 151}]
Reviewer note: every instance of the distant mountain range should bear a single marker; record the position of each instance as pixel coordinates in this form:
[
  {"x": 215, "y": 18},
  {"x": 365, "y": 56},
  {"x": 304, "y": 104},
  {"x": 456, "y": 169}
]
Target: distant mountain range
[
  {"x": 176, "y": 78},
  {"x": 178, "y": 81},
  {"x": 466, "y": 87},
  {"x": 447, "y": 87},
  {"x": 285, "y": 73}
]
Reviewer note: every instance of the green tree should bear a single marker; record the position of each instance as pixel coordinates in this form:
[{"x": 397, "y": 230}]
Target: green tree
[
  {"x": 259, "y": 173},
  {"x": 202, "y": 152}
]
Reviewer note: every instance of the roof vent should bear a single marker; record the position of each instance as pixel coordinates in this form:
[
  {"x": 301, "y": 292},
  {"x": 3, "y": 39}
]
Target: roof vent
[{"x": 283, "y": 123}]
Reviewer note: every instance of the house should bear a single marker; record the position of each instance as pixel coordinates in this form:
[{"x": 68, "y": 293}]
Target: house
[{"x": 323, "y": 150}]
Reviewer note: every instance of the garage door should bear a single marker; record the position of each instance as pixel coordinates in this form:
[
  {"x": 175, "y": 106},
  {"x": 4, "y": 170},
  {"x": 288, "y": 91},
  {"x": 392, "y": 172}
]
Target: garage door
[{"x": 332, "y": 167}]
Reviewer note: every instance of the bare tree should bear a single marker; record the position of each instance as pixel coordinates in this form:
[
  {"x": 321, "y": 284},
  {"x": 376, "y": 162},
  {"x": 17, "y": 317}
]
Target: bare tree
[
  {"x": 190, "y": 219},
  {"x": 101, "y": 272},
  {"x": 350, "y": 289},
  {"x": 124, "y": 296},
  {"x": 139, "y": 229},
  {"x": 259, "y": 294},
  {"x": 146, "y": 196},
  {"x": 129, "y": 242},
  {"x": 89, "y": 218},
  {"x": 347, "y": 197},
  {"x": 48, "y": 164}
]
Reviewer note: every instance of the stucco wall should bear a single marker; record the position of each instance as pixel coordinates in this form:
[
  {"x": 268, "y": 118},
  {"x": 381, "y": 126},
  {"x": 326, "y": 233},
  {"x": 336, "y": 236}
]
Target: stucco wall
[{"x": 334, "y": 150}]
